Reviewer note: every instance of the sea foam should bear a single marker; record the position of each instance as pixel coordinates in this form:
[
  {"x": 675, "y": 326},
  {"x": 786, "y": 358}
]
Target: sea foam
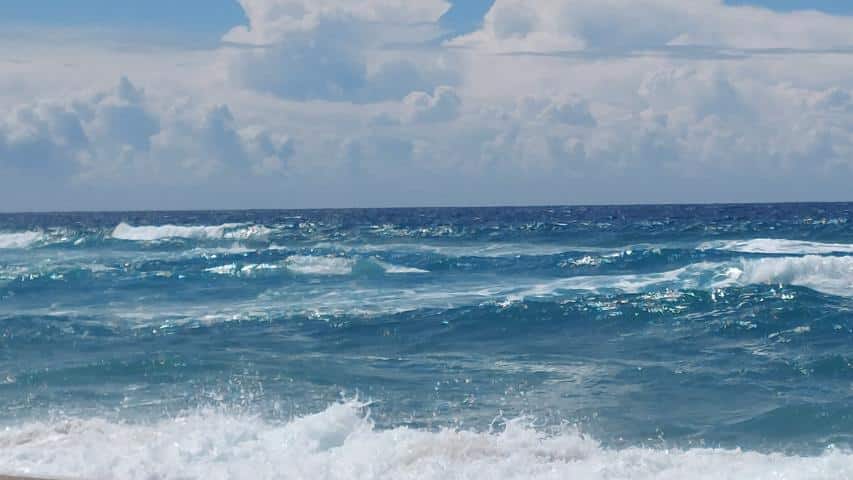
[
  {"x": 20, "y": 239},
  {"x": 342, "y": 443},
  {"x": 778, "y": 246},
  {"x": 832, "y": 275},
  {"x": 312, "y": 265},
  {"x": 233, "y": 231},
  {"x": 123, "y": 231}
]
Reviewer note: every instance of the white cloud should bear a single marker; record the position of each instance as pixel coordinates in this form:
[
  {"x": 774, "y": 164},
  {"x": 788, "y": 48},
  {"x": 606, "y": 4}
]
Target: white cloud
[
  {"x": 121, "y": 133},
  {"x": 336, "y": 102},
  {"x": 442, "y": 106},
  {"x": 333, "y": 50},
  {"x": 625, "y": 25}
]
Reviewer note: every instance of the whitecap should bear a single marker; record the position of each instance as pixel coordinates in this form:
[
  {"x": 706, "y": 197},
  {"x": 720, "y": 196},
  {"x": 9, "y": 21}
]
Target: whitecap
[
  {"x": 229, "y": 269},
  {"x": 831, "y": 275},
  {"x": 252, "y": 232},
  {"x": 486, "y": 250},
  {"x": 392, "y": 269},
  {"x": 342, "y": 443},
  {"x": 777, "y": 246},
  {"x": 313, "y": 265},
  {"x": 245, "y": 270},
  {"x": 123, "y": 231},
  {"x": 20, "y": 239},
  {"x": 233, "y": 231}
]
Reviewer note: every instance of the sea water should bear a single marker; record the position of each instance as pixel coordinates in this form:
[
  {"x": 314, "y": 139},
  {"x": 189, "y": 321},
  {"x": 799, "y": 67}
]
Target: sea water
[{"x": 643, "y": 342}]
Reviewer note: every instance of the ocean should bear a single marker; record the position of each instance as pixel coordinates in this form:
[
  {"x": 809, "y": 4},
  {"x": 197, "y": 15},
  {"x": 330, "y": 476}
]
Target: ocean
[{"x": 624, "y": 342}]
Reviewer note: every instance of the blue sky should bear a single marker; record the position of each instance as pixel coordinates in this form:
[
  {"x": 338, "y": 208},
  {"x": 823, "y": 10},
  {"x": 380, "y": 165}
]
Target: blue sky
[{"x": 328, "y": 103}]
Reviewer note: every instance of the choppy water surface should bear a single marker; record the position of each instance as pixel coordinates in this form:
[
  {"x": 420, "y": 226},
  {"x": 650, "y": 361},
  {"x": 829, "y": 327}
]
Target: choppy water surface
[{"x": 564, "y": 342}]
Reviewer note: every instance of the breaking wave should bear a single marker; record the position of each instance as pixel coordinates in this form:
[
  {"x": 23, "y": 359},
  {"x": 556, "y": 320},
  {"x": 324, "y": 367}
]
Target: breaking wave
[
  {"x": 232, "y": 231},
  {"x": 832, "y": 275},
  {"x": 311, "y": 265},
  {"x": 315, "y": 265},
  {"x": 486, "y": 250},
  {"x": 342, "y": 443},
  {"x": 778, "y": 246},
  {"x": 392, "y": 269},
  {"x": 20, "y": 239}
]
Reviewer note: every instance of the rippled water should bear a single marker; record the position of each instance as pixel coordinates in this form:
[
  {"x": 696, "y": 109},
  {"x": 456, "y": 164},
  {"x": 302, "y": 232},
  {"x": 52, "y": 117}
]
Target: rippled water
[{"x": 582, "y": 342}]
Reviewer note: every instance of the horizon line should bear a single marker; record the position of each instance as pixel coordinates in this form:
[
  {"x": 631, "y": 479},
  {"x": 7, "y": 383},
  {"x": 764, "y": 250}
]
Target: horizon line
[{"x": 433, "y": 207}]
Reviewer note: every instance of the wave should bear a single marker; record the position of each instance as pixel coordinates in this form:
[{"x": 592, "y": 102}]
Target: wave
[
  {"x": 312, "y": 265},
  {"x": 20, "y": 239},
  {"x": 828, "y": 275},
  {"x": 487, "y": 250},
  {"x": 316, "y": 265},
  {"x": 831, "y": 275},
  {"x": 343, "y": 443},
  {"x": 392, "y": 269},
  {"x": 778, "y": 246},
  {"x": 246, "y": 270},
  {"x": 232, "y": 231}
]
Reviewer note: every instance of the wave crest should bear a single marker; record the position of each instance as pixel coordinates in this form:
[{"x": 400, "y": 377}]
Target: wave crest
[
  {"x": 151, "y": 233},
  {"x": 312, "y": 265},
  {"x": 778, "y": 246},
  {"x": 832, "y": 275},
  {"x": 20, "y": 239}
]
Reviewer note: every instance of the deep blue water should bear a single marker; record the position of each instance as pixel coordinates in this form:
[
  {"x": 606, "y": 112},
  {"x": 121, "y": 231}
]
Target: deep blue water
[{"x": 660, "y": 327}]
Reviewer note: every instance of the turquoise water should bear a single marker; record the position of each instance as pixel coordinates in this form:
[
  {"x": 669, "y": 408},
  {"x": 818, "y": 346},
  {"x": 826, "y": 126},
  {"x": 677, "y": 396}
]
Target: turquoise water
[{"x": 561, "y": 342}]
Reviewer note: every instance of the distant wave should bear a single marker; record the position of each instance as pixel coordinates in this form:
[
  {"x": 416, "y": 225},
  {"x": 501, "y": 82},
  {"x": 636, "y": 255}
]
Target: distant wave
[
  {"x": 20, "y": 239},
  {"x": 312, "y": 265},
  {"x": 390, "y": 268},
  {"x": 233, "y": 231},
  {"x": 830, "y": 275},
  {"x": 778, "y": 246},
  {"x": 316, "y": 265},
  {"x": 487, "y": 250},
  {"x": 342, "y": 443},
  {"x": 249, "y": 269}
]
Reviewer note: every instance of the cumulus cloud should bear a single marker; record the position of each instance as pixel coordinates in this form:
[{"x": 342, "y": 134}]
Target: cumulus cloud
[
  {"x": 121, "y": 132},
  {"x": 332, "y": 50},
  {"x": 42, "y": 136},
  {"x": 442, "y": 106},
  {"x": 622, "y": 101},
  {"x": 572, "y": 25}
]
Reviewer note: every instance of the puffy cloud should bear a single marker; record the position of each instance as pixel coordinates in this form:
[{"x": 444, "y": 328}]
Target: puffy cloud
[
  {"x": 571, "y": 25},
  {"x": 121, "y": 133},
  {"x": 271, "y": 21},
  {"x": 442, "y": 106},
  {"x": 637, "y": 110},
  {"x": 332, "y": 50},
  {"x": 572, "y": 111}
]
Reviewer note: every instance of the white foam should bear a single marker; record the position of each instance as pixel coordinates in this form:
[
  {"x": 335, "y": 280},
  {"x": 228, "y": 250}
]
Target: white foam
[
  {"x": 252, "y": 232},
  {"x": 235, "y": 249},
  {"x": 246, "y": 270},
  {"x": 342, "y": 443},
  {"x": 313, "y": 265},
  {"x": 123, "y": 231},
  {"x": 20, "y": 239},
  {"x": 689, "y": 277},
  {"x": 229, "y": 269},
  {"x": 392, "y": 269},
  {"x": 486, "y": 250},
  {"x": 832, "y": 275},
  {"x": 778, "y": 246}
]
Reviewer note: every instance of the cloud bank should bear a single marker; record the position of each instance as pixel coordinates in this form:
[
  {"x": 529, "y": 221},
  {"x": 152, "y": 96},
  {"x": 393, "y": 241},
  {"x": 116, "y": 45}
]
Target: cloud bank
[{"x": 332, "y": 103}]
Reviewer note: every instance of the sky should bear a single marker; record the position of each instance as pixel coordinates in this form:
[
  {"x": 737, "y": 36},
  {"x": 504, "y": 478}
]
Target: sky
[{"x": 209, "y": 104}]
